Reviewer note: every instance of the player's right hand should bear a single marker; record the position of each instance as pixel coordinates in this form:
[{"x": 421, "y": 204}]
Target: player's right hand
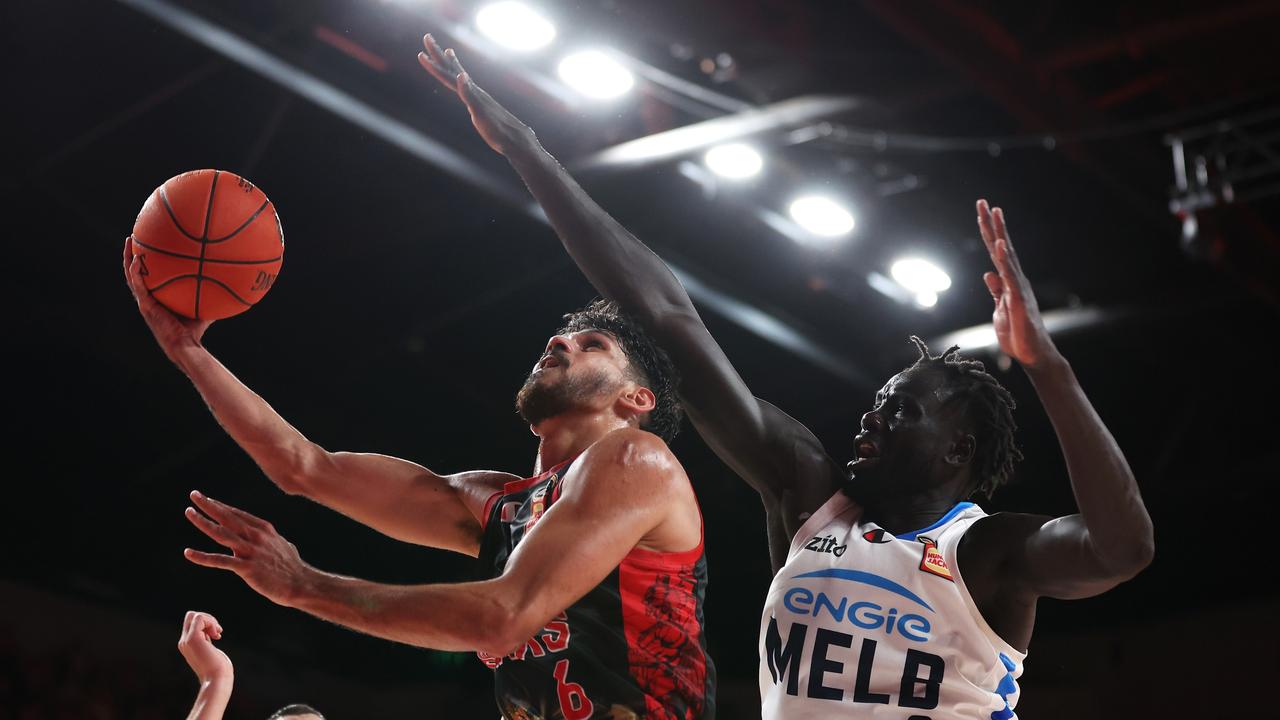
[
  {"x": 171, "y": 330},
  {"x": 500, "y": 129},
  {"x": 199, "y": 630}
]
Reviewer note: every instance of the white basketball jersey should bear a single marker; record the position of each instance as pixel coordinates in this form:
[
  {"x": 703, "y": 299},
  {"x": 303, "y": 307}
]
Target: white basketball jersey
[{"x": 863, "y": 624}]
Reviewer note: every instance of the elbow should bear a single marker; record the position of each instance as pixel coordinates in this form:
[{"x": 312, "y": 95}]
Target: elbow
[
  {"x": 303, "y": 465},
  {"x": 1134, "y": 558},
  {"x": 502, "y": 631},
  {"x": 504, "y": 621},
  {"x": 668, "y": 316},
  {"x": 1144, "y": 548},
  {"x": 1145, "y": 553}
]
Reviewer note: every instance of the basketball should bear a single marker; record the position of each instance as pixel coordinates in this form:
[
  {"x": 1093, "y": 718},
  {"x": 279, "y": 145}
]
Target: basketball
[{"x": 209, "y": 243}]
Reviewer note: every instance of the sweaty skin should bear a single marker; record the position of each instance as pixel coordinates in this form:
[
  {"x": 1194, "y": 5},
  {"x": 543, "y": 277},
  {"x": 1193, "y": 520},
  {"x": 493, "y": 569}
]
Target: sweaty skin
[{"x": 1026, "y": 556}]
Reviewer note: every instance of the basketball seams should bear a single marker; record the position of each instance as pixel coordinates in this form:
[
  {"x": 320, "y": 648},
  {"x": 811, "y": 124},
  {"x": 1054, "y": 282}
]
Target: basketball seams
[
  {"x": 245, "y": 224},
  {"x": 213, "y": 280},
  {"x": 164, "y": 200},
  {"x": 216, "y": 261},
  {"x": 230, "y": 292},
  {"x": 174, "y": 279},
  {"x": 204, "y": 237}
]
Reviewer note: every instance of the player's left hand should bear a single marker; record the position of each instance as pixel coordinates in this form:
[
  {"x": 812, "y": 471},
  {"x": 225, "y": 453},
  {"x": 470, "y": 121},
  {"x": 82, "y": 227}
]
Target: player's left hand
[
  {"x": 1019, "y": 327},
  {"x": 265, "y": 561},
  {"x": 499, "y": 128}
]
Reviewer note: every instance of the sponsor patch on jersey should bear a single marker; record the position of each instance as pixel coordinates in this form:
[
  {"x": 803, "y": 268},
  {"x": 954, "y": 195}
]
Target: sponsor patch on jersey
[
  {"x": 931, "y": 561},
  {"x": 538, "y": 506},
  {"x": 877, "y": 535}
]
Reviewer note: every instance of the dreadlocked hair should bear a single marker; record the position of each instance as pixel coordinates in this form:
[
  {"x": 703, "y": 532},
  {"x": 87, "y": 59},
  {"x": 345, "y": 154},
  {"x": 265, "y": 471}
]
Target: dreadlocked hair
[
  {"x": 987, "y": 405},
  {"x": 648, "y": 363},
  {"x": 294, "y": 710}
]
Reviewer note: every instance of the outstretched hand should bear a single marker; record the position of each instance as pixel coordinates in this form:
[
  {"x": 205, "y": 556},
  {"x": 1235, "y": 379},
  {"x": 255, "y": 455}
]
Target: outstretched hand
[
  {"x": 499, "y": 128},
  {"x": 199, "y": 630},
  {"x": 170, "y": 329},
  {"x": 1018, "y": 325},
  {"x": 265, "y": 561}
]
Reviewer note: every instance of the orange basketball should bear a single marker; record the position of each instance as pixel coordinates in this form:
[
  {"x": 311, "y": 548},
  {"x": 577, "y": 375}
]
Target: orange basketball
[{"x": 209, "y": 243}]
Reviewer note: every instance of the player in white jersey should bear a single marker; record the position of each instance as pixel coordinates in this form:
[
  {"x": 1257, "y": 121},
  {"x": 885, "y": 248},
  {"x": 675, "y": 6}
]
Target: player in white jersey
[{"x": 871, "y": 619}]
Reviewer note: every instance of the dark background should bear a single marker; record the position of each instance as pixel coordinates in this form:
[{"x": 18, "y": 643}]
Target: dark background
[{"x": 412, "y": 303}]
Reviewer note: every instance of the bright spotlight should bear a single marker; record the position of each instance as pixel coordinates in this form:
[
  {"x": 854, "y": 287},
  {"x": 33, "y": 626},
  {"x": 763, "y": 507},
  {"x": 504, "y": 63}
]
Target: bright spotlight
[
  {"x": 821, "y": 216},
  {"x": 927, "y": 299},
  {"x": 922, "y": 278},
  {"x": 596, "y": 74},
  {"x": 734, "y": 161},
  {"x": 515, "y": 26}
]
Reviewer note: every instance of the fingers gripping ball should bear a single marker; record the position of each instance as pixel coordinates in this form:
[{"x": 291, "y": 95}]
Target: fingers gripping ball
[{"x": 209, "y": 243}]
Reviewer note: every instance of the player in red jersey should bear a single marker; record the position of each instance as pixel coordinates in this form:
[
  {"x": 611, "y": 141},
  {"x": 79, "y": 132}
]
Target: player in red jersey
[{"x": 594, "y": 606}]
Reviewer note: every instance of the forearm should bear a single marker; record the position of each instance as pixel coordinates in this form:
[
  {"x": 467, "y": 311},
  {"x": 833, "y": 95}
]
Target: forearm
[
  {"x": 620, "y": 267},
  {"x": 451, "y": 617},
  {"x": 1106, "y": 493},
  {"x": 277, "y": 447},
  {"x": 211, "y": 701}
]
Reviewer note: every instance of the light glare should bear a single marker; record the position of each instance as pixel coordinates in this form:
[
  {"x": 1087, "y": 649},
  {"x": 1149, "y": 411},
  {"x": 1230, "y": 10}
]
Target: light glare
[
  {"x": 734, "y": 161},
  {"x": 821, "y": 216},
  {"x": 515, "y": 26},
  {"x": 595, "y": 74},
  {"x": 927, "y": 299},
  {"x": 920, "y": 277}
]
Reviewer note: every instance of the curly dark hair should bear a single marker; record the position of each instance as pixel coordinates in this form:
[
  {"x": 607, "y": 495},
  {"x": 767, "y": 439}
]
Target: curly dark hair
[
  {"x": 988, "y": 407},
  {"x": 649, "y": 364}
]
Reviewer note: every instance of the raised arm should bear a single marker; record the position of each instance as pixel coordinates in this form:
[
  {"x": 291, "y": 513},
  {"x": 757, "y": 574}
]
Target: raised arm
[
  {"x": 396, "y": 497},
  {"x": 773, "y": 452},
  {"x": 212, "y": 667},
  {"x": 624, "y": 491},
  {"x": 1111, "y": 538}
]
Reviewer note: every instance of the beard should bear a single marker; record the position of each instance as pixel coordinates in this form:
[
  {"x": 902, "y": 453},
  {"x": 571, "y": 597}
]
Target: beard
[{"x": 540, "y": 399}]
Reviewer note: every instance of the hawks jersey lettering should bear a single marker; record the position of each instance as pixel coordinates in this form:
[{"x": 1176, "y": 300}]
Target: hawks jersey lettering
[
  {"x": 632, "y": 647},
  {"x": 860, "y": 623}
]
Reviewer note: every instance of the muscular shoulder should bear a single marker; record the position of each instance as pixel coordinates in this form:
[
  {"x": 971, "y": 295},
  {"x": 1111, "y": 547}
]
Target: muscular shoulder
[
  {"x": 627, "y": 467},
  {"x": 1003, "y": 531},
  {"x": 631, "y": 454},
  {"x": 992, "y": 542}
]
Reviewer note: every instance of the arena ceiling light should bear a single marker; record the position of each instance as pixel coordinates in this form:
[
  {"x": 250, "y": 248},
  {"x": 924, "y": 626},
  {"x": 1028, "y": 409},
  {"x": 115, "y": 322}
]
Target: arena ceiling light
[
  {"x": 515, "y": 26},
  {"x": 734, "y": 161},
  {"x": 596, "y": 74},
  {"x": 921, "y": 278},
  {"x": 821, "y": 216}
]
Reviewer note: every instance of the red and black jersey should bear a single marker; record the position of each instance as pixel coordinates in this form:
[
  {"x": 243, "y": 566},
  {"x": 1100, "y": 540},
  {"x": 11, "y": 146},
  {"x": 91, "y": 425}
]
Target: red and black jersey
[{"x": 632, "y": 647}]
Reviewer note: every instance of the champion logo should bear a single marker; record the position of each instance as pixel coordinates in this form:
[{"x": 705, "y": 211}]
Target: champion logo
[
  {"x": 932, "y": 561},
  {"x": 877, "y": 536}
]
